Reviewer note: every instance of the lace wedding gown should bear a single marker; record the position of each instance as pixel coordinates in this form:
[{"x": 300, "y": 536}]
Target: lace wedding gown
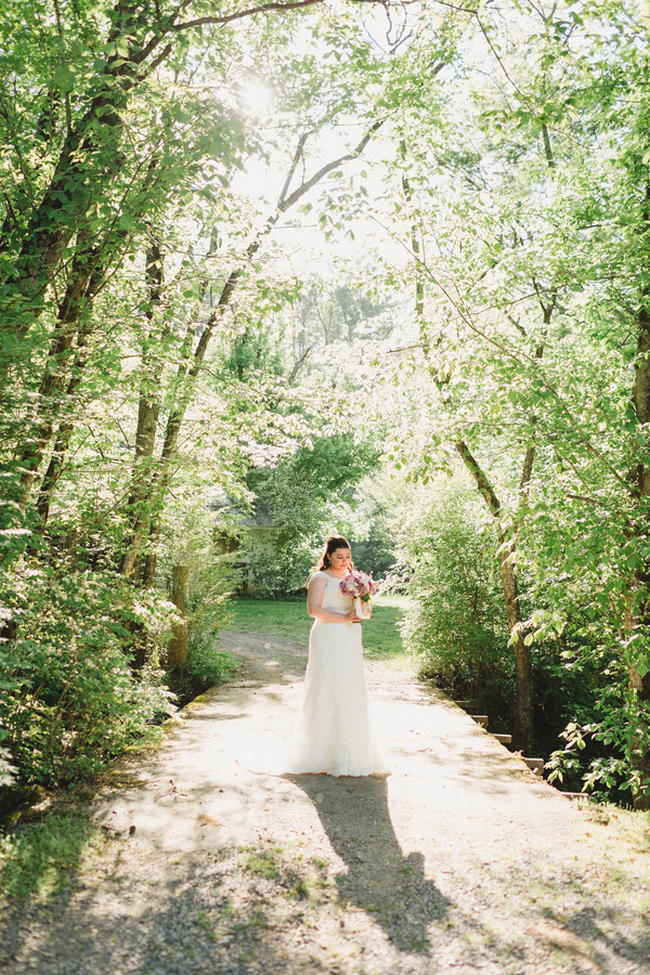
[{"x": 334, "y": 733}]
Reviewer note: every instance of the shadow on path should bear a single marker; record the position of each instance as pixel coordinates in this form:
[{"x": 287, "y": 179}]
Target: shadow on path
[{"x": 380, "y": 879}]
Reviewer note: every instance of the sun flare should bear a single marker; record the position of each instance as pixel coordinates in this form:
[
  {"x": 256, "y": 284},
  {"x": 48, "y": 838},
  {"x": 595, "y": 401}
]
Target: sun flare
[{"x": 256, "y": 97}]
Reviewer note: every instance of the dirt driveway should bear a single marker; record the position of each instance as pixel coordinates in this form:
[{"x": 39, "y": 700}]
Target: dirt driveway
[{"x": 460, "y": 861}]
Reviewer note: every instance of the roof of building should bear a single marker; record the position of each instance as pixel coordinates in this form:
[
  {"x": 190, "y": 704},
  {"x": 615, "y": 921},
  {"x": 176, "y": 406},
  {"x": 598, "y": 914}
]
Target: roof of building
[{"x": 258, "y": 517}]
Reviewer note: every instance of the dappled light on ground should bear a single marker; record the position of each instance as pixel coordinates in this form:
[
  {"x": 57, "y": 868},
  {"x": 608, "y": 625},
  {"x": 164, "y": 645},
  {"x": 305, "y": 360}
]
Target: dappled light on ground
[{"x": 214, "y": 862}]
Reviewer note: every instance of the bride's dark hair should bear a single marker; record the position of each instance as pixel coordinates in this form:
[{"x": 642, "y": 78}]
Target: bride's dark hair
[{"x": 331, "y": 545}]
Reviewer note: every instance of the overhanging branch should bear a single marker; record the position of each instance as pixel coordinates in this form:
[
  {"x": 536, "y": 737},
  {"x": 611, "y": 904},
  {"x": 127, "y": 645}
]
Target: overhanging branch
[
  {"x": 280, "y": 7},
  {"x": 306, "y": 185}
]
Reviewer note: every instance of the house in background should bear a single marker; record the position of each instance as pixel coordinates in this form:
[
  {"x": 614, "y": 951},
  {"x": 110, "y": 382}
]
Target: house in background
[{"x": 251, "y": 538}]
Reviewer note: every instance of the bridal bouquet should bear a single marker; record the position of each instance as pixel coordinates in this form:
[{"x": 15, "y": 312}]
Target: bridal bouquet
[{"x": 360, "y": 586}]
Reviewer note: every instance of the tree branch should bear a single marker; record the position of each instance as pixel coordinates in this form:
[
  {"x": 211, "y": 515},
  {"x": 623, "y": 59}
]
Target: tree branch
[
  {"x": 248, "y": 12},
  {"x": 300, "y": 361},
  {"x": 292, "y": 168},
  {"x": 482, "y": 483},
  {"x": 518, "y": 356},
  {"x": 324, "y": 170},
  {"x": 294, "y": 5}
]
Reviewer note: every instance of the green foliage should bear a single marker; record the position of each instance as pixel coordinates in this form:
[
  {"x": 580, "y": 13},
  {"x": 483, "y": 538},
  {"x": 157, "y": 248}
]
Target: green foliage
[
  {"x": 306, "y": 493},
  {"x": 212, "y": 580},
  {"x": 374, "y": 545},
  {"x": 252, "y": 354},
  {"x": 284, "y": 571},
  {"x": 514, "y": 176},
  {"x": 527, "y": 204},
  {"x": 301, "y": 485},
  {"x": 7, "y": 770},
  {"x": 606, "y": 727},
  {"x": 209, "y": 666},
  {"x": 188, "y": 538},
  {"x": 457, "y": 622},
  {"x": 72, "y": 702},
  {"x": 576, "y": 564}
]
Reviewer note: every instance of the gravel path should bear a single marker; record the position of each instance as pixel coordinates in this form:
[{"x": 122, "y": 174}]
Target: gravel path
[{"x": 461, "y": 861}]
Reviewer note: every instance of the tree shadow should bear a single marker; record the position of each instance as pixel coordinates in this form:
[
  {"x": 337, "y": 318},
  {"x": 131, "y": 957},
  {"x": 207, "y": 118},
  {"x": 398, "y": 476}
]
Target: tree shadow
[
  {"x": 185, "y": 920},
  {"x": 592, "y": 935},
  {"x": 380, "y": 879}
]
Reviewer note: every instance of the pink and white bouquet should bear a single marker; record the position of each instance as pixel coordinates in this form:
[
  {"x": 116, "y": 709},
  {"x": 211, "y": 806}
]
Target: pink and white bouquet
[{"x": 360, "y": 586}]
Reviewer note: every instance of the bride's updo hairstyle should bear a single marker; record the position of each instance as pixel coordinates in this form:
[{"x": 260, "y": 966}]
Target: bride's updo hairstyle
[{"x": 331, "y": 545}]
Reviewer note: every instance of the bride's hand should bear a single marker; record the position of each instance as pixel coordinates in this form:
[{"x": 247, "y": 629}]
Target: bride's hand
[{"x": 352, "y": 617}]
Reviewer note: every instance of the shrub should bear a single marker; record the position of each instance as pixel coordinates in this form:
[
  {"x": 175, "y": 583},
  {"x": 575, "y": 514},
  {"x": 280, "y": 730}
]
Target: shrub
[
  {"x": 457, "y": 621},
  {"x": 209, "y": 666},
  {"x": 603, "y": 721},
  {"x": 72, "y": 701},
  {"x": 286, "y": 571},
  {"x": 211, "y": 581},
  {"x": 7, "y": 770},
  {"x": 580, "y": 568}
]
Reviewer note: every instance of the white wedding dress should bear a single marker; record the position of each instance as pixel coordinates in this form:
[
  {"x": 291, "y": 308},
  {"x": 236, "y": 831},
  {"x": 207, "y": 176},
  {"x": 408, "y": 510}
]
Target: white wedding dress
[{"x": 334, "y": 734}]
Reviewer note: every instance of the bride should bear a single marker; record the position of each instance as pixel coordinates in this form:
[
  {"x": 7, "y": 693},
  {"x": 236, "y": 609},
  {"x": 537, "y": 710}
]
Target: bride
[{"x": 334, "y": 735}]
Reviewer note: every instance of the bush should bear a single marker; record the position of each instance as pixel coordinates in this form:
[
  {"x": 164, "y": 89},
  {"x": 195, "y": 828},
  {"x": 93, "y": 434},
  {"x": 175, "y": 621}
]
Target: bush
[
  {"x": 212, "y": 579},
  {"x": 7, "y": 770},
  {"x": 286, "y": 571},
  {"x": 580, "y": 570},
  {"x": 72, "y": 701},
  {"x": 209, "y": 666},
  {"x": 457, "y": 620},
  {"x": 602, "y": 720}
]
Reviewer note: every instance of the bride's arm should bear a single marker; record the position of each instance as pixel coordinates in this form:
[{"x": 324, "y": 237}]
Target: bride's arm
[{"x": 315, "y": 593}]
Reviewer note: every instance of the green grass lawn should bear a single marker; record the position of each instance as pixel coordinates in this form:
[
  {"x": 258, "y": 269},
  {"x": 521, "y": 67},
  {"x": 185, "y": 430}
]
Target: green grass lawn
[{"x": 287, "y": 619}]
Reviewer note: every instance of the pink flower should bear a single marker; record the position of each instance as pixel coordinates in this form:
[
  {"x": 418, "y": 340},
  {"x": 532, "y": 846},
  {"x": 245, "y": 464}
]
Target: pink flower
[{"x": 358, "y": 584}]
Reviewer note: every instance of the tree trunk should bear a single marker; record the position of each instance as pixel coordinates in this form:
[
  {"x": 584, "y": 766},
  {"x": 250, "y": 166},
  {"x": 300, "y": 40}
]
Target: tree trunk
[
  {"x": 149, "y": 404},
  {"x": 85, "y": 281},
  {"x": 149, "y": 401},
  {"x": 524, "y": 737},
  {"x": 640, "y": 615},
  {"x": 151, "y": 557},
  {"x": 53, "y": 473},
  {"x": 523, "y": 663},
  {"x": 178, "y": 593},
  {"x": 64, "y": 434},
  {"x": 524, "y": 732}
]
